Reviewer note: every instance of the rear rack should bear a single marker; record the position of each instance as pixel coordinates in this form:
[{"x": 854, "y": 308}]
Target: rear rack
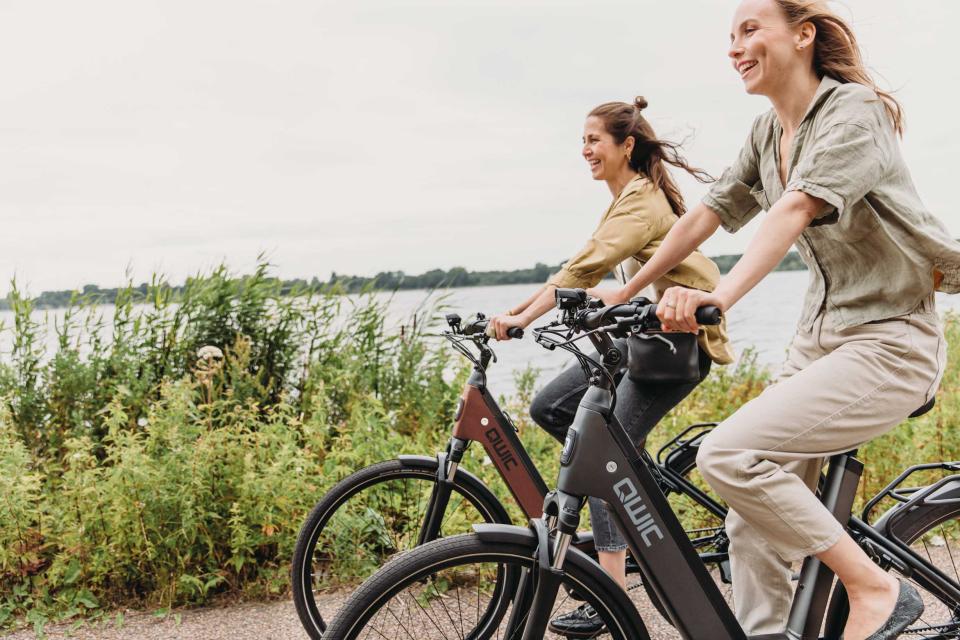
[
  {"x": 910, "y": 496},
  {"x": 683, "y": 442}
]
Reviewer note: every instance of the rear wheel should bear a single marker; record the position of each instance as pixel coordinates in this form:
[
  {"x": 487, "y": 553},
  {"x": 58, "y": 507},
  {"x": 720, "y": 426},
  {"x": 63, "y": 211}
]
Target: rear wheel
[
  {"x": 931, "y": 531},
  {"x": 372, "y": 515}
]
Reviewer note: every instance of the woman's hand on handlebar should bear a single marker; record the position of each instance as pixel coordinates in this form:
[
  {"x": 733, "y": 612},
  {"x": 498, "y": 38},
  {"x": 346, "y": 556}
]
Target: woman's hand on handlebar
[
  {"x": 677, "y": 306},
  {"x": 501, "y": 323},
  {"x": 608, "y": 296}
]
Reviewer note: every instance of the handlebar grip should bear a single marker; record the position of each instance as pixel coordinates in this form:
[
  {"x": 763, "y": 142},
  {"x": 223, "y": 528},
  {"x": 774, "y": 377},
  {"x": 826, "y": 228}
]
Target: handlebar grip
[
  {"x": 705, "y": 315},
  {"x": 708, "y": 315},
  {"x": 513, "y": 332}
]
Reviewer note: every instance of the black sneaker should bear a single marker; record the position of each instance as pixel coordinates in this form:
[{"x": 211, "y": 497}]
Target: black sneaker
[{"x": 582, "y": 622}]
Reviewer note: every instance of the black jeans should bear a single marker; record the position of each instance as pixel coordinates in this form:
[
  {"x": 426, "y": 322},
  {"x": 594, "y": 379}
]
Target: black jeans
[{"x": 640, "y": 406}]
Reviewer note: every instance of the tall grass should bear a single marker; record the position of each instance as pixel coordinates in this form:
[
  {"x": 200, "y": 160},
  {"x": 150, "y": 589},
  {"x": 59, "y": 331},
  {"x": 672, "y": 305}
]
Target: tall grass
[{"x": 135, "y": 472}]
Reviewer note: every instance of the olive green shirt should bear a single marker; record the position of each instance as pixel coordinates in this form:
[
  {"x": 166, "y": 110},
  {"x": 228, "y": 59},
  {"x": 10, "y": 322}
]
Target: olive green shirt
[
  {"x": 634, "y": 226},
  {"x": 875, "y": 252}
]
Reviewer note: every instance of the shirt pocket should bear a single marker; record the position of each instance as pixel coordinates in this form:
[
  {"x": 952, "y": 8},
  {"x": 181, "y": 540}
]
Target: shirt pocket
[{"x": 760, "y": 196}]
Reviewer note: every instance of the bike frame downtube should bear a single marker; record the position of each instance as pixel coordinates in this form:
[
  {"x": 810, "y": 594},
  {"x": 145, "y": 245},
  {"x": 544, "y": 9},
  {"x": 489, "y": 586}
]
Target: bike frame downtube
[
  {"x": 480, "y": 419},
  {"x": 658, "y": 542}
]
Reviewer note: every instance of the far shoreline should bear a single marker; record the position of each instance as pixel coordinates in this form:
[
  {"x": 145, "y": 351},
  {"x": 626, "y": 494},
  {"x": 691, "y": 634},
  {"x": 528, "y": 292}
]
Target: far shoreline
[{"x": 453, "y": 278}]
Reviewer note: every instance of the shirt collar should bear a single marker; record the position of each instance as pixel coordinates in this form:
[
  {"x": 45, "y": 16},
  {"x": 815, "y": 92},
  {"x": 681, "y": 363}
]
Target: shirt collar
[{"x": 827, "y": 85}]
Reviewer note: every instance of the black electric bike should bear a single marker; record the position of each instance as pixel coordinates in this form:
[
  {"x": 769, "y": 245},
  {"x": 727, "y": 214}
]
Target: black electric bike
[
  {"x": 395, "y": 505},
  {"x": 507, "y": 582}
]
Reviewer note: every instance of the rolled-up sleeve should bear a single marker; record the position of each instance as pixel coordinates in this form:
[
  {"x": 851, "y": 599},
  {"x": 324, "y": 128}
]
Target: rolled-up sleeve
[
  {"x": 844, "y": 165},
  {"x": 731, "y": 197},
  {"x": 624, "y": 232}
]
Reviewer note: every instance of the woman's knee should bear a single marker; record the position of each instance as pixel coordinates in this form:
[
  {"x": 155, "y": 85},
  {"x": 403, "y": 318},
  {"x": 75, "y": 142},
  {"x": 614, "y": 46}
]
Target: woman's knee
[
  {"x": 543, "y": 411},
  {"x": 717, "y": 461}
]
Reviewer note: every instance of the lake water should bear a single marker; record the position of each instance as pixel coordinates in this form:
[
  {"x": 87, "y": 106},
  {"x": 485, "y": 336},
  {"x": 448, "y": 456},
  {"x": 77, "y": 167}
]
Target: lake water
[{"x": 765, "y": 320}]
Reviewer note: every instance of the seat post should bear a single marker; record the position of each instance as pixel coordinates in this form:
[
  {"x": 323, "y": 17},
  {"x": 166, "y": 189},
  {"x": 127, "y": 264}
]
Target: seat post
[{"x": 816, "y": 579}]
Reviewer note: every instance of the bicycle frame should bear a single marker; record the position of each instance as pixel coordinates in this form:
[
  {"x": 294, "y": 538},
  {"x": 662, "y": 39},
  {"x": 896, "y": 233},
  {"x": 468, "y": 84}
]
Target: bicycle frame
[
  {"x": 599, "y": 460},
  {"x": 479, "y": 418}
]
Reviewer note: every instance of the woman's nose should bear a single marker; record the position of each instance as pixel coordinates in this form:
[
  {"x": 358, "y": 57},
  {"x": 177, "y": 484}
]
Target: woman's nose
[{"x": 735, "y": 50}]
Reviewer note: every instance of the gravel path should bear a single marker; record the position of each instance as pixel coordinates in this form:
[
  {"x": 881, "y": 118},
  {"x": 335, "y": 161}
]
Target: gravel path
[
  {"x": 278, "y": 620},
  {"x": 249, "y": 621}
]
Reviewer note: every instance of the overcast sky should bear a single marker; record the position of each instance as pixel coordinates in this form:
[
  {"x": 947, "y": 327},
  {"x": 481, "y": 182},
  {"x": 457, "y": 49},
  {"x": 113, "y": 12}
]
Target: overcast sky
[{"x": 367, "y": 135}]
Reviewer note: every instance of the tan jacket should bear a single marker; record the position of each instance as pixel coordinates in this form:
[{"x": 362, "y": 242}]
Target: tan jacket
[{"x": 633, "y": 227}]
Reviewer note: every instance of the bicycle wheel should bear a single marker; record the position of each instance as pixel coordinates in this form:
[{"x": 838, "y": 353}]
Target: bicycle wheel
[
  {"x": 463, "y": 587},
  {"x": 931, "y": 531},
  {"x": 371, "y": 515}
]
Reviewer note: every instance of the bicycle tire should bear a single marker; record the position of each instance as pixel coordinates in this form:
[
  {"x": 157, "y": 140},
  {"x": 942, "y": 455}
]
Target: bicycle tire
[
  {"x": 304, "y": 572},
  {"x": 416, "y": 568},
  {"x": 941, "y": 618}
]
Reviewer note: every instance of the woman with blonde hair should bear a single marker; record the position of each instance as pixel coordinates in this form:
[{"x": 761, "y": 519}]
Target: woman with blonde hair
[
  {"x": 621, "y": 149},
  {"x": 826, "y": 166}
]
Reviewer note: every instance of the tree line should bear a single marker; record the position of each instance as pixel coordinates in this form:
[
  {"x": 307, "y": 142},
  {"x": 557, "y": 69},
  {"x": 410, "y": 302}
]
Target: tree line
[{"x": 383, "y": 281}]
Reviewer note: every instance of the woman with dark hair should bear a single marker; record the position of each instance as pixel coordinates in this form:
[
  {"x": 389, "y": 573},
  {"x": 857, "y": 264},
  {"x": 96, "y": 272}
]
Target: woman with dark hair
[
  {"x": 825, "y": 164},
  {"x": 621, "y": 149}
]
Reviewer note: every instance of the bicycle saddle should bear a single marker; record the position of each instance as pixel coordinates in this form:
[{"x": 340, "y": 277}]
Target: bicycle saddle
[{"x": 926, "y": 407}]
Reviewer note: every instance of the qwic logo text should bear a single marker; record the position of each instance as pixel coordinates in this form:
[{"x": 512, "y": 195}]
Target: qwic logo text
[{"x": 637, "y": 510}]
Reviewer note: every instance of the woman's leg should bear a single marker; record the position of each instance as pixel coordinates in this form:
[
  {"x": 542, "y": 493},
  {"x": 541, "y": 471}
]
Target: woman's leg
[
  {"x": 555, "y": 405},
  {"x": 860, "y": 383}
]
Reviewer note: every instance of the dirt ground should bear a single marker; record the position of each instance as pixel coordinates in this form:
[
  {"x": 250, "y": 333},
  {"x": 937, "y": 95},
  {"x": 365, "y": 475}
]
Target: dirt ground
[{"x": 249, "y": 621}]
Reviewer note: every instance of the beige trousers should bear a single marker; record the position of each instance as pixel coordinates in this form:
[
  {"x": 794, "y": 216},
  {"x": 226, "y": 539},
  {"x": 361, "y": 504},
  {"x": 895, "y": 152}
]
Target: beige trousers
[{"x": 838, "y": 389}]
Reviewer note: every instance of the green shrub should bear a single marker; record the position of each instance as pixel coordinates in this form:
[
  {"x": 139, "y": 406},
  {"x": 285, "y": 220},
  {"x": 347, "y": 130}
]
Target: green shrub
[{"x": 135, "y": 473}]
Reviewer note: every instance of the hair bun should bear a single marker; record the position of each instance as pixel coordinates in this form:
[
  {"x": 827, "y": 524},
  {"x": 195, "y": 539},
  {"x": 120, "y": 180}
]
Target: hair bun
[{"x": 640, "y": 103}]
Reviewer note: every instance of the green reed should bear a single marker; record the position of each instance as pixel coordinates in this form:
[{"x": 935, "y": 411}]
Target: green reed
[{"x": 139, "y": 468}]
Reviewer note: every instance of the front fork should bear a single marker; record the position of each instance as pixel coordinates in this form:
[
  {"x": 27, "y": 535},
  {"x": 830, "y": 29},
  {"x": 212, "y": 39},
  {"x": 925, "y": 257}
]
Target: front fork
[
  {"x": 538, "y": 587},
  {"x": 447, "y": 463}
]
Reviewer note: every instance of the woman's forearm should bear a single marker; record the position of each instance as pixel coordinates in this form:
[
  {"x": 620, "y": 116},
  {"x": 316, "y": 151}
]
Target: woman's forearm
[
  {"x": 539, "y": 305},
  {"x": 520, "y": 308},
  {"x": 780, "y": 228},
  {"x": 684, "y": 237}
]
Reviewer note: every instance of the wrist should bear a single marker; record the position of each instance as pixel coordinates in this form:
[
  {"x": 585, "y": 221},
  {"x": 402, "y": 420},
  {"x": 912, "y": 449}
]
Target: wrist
[{"x": 724, "y": 299}]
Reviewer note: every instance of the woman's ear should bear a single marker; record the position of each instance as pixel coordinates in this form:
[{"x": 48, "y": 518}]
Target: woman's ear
[
  {"x": 806, "y": 35},
  {"x": 628, "y": 146}
]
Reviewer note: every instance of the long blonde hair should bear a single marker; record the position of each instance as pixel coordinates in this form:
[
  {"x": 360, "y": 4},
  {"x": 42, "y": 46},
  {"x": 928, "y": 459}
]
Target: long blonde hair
[{"x": 836, "y": 52}]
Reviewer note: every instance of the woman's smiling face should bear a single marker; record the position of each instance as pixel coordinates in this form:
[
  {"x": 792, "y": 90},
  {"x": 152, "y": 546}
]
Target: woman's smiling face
[
  {"x": 605, "y": 157},
  {"x": 763, "y": 47}
]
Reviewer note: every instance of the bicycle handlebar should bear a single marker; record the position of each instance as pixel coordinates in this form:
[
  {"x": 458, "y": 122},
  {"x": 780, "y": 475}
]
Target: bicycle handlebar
[
  {"x": 640, "y": 312},
  {"x": 479, "y": 326}
]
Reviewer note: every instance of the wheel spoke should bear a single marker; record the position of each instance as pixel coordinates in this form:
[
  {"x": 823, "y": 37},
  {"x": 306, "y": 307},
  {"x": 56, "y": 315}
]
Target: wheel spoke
[{"x": 377, "y": 517}]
